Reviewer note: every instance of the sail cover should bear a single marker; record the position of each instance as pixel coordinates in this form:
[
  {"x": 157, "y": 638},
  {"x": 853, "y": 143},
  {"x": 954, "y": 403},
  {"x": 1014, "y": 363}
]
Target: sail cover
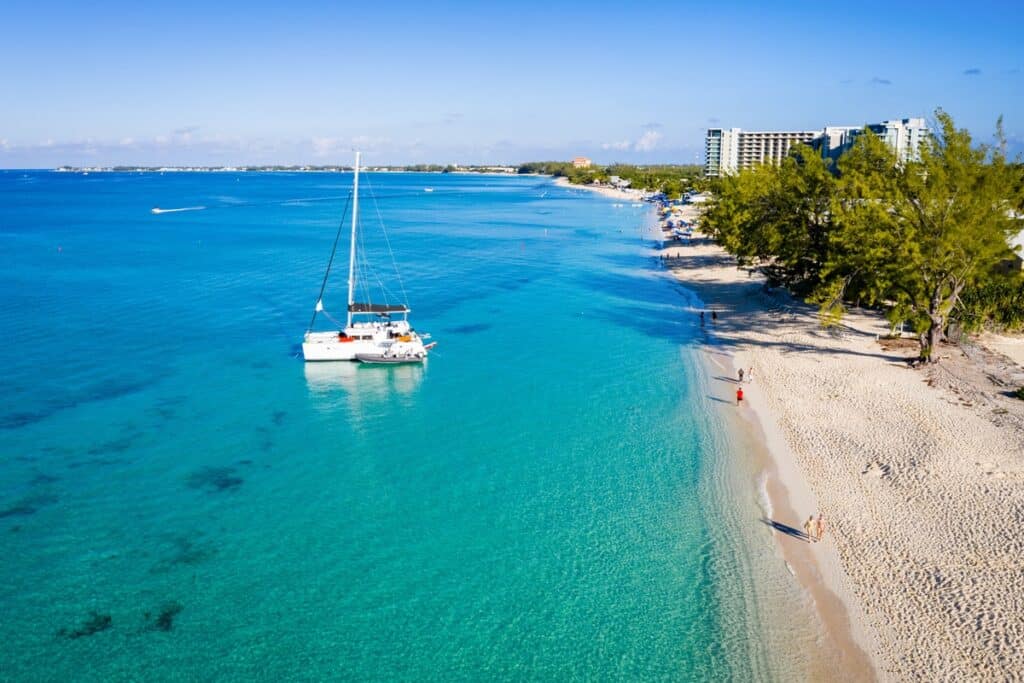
[{"x": 377, "y": 308}]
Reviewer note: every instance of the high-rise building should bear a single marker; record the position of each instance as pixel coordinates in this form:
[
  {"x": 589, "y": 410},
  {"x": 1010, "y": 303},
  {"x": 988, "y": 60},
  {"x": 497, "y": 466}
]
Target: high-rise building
[
  {"x": 771, "y": 147},
  {"x": 728, "y": 150},
  {"x": 904, "y": 137},
  {"x": 837, "y": 139},
  {"x": 721, "y": 151}
]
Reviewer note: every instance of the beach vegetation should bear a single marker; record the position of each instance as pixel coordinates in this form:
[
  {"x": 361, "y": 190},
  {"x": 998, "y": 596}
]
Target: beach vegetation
[
  {"x": 673, "y": 180},
  {"x": 997, "y": 305},
  {"x": 779, "y": 217},
  {"x": 923, "y": 239}
]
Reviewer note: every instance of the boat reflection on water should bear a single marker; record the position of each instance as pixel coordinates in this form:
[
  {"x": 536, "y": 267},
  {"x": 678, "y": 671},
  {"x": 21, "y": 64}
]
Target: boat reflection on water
[{"x": 358, "y": 384}]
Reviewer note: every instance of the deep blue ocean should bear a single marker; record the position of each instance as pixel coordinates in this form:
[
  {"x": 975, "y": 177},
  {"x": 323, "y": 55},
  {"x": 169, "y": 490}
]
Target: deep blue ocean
[{"x": 182, "y": 498}]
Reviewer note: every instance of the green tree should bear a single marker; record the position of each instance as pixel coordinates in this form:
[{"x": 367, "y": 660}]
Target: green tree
[
  {"x": 914, "y": 235},
  {"x": 779, "y": 216}
]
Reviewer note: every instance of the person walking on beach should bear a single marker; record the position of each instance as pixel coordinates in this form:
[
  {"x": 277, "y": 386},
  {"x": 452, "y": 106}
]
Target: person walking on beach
[
  {"x": 750, "y": 374},
  {"x": 819, "y": 529},
  {"x": 741, "y": 375},
  {"x": 809, "y": 527},
  {"x": 739, "y": 395}
]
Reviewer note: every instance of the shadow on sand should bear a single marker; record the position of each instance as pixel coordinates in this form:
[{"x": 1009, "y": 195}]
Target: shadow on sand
[
  {"x": 668, "y": 312},
  {"x": 785, "y": 529}
]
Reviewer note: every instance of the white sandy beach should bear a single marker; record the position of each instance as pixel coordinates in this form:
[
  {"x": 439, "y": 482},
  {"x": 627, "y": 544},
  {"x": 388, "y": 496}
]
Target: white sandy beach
[
  {"x": 920, "y": 474},
  {"x": 613, "y": 193}
]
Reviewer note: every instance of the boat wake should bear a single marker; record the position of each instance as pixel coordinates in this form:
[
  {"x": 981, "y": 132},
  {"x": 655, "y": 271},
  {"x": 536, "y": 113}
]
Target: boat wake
[{"x": 157, "y": 209}]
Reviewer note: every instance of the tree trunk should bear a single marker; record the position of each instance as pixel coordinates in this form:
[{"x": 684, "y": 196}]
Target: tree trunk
[
  {"x": 930, "y": 338},
  {"x": 939, "y": 309}
]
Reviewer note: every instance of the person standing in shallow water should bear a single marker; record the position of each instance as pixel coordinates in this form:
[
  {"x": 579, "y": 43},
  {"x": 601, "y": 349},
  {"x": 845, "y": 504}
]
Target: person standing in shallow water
[
  {"x": 714, "y": 315},
  {"x": 809, "y": 527},
  {"x": 819, "y": 528},
  {"x": 741, "y": 375},
  {"x": 739, "y": 395}
]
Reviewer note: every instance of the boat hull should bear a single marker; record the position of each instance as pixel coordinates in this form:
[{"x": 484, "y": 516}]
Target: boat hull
[
  {"x": 381, "y": 359},
  {"x": 330, "y": 349}
]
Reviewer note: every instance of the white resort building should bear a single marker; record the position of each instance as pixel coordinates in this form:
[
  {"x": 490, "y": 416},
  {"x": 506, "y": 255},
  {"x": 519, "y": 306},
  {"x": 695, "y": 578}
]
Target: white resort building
[{"x": 728, "y": 150}]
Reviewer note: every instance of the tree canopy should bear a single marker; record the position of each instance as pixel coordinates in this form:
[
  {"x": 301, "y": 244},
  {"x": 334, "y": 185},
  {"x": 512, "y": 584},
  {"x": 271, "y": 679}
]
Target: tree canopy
[
  {"x": 914, "y": 237},
  {"x": 673, "y": 180}
]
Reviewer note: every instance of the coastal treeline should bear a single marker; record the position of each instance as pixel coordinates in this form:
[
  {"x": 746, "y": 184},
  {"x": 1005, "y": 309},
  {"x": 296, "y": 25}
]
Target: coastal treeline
[
  {"x": 671, "y": 179},
  {"x": 926, "y": 240}
]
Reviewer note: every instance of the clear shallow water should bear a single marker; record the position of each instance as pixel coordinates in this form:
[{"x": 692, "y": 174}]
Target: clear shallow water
[{"x": 543, "y": 500}]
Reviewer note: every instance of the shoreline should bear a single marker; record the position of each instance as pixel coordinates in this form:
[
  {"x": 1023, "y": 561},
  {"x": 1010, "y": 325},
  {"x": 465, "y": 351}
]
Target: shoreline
[
  {"x": 907, "y": 583},
  {"x": 610, "y": 192},
  {"x": 846, "y": 642}
]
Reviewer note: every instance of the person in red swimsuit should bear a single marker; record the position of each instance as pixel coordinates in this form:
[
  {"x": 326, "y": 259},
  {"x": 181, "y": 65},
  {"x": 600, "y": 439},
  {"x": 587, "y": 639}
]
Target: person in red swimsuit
[{"x": 739, "y": 395}]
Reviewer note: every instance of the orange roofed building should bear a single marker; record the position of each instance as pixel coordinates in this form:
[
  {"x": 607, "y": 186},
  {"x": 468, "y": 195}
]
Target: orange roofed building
[{"x": 581, "y": 162}]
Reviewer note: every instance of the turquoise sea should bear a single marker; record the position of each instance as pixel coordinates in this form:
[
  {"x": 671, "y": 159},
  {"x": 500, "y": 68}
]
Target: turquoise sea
[{"x": 182, "y": 498}]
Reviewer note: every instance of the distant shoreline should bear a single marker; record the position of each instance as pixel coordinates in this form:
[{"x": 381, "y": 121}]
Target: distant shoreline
[
  {"x": 611, "y": 192},
  {"x": 470, "y": 170}
]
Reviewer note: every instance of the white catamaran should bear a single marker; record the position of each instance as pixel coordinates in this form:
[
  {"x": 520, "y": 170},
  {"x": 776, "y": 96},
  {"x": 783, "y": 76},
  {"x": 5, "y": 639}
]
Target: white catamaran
[{"x": 378, "y": 339}]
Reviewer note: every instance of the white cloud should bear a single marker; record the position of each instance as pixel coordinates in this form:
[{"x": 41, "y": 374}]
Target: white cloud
[
  {"x": 648, "y": 141},
  {"x": 620, "y": 146}
]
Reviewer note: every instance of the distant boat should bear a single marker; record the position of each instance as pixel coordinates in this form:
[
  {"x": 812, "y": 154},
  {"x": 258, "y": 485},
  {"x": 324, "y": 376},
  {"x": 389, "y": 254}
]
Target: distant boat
[
  {"x": 157, "y": 209},
  {"x": 380, "y": 336},
  {"x": 428, "y": 189}
]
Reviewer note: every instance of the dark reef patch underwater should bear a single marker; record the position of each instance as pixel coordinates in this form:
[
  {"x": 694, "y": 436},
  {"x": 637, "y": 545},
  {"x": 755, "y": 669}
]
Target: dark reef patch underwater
[
  {"x": 94, "y": 624},
  {"x": 165, "y": 618},
  {"x": 214, "y": 479}
]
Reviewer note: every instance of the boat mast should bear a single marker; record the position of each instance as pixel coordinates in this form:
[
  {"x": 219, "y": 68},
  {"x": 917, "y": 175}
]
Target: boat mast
[{"x": 352, "y": 246}]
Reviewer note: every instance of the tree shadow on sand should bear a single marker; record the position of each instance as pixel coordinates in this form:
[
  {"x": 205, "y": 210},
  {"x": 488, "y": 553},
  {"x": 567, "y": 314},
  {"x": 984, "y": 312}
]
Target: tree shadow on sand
[{"x": 670, "y": 310}]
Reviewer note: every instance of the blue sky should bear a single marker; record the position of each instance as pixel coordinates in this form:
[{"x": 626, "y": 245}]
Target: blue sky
[{"x": 300, "y": 82}]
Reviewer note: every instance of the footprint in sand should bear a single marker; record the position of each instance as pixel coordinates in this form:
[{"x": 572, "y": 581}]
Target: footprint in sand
[{"x": 876, "y": 469}]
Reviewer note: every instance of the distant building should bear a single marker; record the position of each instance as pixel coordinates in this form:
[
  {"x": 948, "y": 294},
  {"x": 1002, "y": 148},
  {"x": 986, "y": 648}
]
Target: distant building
[
  {"x": 835, "y": 140},
  {"x": 718, "y": 151},
  {"x": 904, "y": 137},
  {"x": 733, "y": 149},
  {"x": 616, "y": 181},
  {"x": 581, "y": 162},
  {"x": 770, "y": 147},
  {"x": 730, "y": 150},
  {"x": 1015, "y": 263}
]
